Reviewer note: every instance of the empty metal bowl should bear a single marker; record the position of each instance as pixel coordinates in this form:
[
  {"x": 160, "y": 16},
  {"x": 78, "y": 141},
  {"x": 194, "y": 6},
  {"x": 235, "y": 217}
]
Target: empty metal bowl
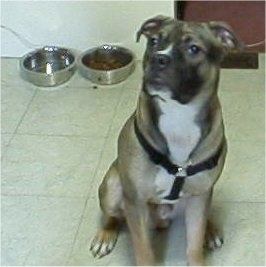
[
  {"x": 106, "y": 64},
  {"x": 48, "y": 66}
]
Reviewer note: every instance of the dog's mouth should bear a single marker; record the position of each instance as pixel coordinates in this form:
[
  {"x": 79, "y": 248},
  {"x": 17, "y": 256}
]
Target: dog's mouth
[
  {"x": 157, "y": 87},
  {"x": 155, "y": 80}
]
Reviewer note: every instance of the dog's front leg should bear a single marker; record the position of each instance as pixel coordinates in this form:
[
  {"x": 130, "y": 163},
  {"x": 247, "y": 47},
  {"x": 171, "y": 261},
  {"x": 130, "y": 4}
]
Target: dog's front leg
[
  {"x": 196, "y": 220},
  {"x": 137, "y": 217}
]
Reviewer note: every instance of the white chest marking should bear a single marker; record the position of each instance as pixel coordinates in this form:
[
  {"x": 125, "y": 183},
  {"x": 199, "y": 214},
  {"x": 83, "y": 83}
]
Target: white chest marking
[
  {"x": 177, "y": 124},
  {"x": 166, "y": 51}
]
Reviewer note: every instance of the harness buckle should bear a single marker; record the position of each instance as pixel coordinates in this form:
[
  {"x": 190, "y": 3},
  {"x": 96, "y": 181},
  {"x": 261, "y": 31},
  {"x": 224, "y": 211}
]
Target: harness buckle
[{"x": 181, "y": 171}]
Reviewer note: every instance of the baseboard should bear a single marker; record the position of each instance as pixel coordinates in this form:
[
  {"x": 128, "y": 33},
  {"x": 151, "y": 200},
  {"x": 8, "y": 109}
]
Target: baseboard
[{"x": 242, "y": 60}]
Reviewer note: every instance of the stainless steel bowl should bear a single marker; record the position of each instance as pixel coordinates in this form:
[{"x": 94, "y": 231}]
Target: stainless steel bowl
[
  {"x": 106, "y": 64},
  {"x": 48, "y": 66}
]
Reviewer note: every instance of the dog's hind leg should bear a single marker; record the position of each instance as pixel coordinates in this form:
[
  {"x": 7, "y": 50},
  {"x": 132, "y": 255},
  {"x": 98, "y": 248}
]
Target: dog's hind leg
[{"x": 110, "y": 196}]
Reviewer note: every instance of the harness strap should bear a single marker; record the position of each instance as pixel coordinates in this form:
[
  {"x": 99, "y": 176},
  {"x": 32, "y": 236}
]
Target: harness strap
[
  {"x": 155, "y": 156},
  {"x": 176, "y": 188},
  {"x": 160, "y": 159}
]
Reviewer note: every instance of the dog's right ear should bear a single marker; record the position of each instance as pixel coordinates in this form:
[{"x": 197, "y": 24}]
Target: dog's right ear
[{"x": 152, "y": 26}]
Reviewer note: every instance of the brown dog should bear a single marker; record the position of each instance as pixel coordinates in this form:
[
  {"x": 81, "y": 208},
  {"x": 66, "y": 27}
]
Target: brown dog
[{"x": 173, "y": 146}]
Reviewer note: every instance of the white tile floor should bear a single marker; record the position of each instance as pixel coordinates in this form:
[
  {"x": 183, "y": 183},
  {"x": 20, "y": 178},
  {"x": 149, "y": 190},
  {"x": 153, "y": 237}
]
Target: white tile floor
[{"x": 56, "y": 146}]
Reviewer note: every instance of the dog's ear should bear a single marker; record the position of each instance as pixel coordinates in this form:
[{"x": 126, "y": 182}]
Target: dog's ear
[
  {"x": 152, "y": 26},
  {"x": 226, "y": 36}
]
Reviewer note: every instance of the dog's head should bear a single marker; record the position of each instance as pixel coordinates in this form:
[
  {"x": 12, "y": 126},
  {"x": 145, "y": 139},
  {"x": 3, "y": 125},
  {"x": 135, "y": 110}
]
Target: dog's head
[{"x": 182, "y": 59}]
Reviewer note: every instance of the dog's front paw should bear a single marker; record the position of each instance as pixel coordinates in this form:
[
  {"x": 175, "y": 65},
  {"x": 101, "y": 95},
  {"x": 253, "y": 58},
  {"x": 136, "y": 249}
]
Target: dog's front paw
[
  {"x": 213, "y": 239},
  {"x": 214, "y": 242},
  {"x": 103, "y": 243}
]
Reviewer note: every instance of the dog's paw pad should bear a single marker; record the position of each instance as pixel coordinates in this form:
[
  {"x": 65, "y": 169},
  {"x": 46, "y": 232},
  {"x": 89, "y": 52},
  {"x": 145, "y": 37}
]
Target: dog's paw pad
[{"x": 103, "y": 243}]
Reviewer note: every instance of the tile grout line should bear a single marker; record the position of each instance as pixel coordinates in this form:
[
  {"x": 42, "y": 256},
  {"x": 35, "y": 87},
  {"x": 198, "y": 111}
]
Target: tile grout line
[
  {"x": 81, "y": 198},
  {"x": 19, "y": 123},
  {"x": 94, "y": 174},
  {"x": 41, "y": 196},
  {"x": 234, "y": 140},
  {"x": 106, "y": 138},
  {"x": 58, "y": 135}
]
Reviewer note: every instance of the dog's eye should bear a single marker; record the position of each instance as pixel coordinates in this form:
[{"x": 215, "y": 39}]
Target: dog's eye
[
  {"x": 153, "y": 41},
  {"x": 194, "y": 50}
]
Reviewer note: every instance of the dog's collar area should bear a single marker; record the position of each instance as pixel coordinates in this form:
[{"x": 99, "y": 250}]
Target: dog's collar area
[{"x": 179, "y": 172}]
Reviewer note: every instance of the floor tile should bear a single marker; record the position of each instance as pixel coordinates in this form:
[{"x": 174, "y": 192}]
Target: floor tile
[
  {"x": 15, "y": 101},
  {"x": 244, "y": 80},
  {"x": 125, "y": 108},
  {"x": 243, "y": 226},
  {"x": 262, "y": 63},
  {"x": 243, "y": 178},
  {"x": 10, "y": 74},
  {"x": 244, "y": 109},
  {"x": 38, "y": 231},
  {"x": 108, "y": 155},
  {"x": 50, "y": 166},
  {"x": 5, "y": 139},
  {"x": 72, "y": 111},
  {"x": 170, "y": 245},
  {"x": 81, "y": 255}
]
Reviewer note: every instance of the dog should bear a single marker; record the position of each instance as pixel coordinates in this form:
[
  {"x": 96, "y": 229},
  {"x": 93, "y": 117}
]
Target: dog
[{"x": 173, "y": 146}]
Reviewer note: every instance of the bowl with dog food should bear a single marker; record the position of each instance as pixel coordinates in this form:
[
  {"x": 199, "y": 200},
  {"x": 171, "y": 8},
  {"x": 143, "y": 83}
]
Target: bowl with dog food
[
  {"x": 106, "y": 64},
  {"x": 48, "y": 66}
]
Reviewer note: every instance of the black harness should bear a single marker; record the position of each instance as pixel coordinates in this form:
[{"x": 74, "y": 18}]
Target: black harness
[{"x": 160, "y": 159}]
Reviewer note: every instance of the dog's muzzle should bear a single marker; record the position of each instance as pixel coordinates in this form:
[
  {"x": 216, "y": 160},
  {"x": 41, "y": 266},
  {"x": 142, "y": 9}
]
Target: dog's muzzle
[
  {"x": 160, "y": 61},
  {"x": 155, "y": 73}
]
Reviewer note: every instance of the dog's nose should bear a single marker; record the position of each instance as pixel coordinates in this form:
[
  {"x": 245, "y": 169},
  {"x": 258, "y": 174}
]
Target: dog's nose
[{"x": 161, "y": 60}]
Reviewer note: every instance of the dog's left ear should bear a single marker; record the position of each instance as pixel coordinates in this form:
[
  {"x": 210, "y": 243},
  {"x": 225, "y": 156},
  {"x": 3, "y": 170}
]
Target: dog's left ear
[
  {"x": 226, "y": 36},
  {"x": 152, "y": 26}
]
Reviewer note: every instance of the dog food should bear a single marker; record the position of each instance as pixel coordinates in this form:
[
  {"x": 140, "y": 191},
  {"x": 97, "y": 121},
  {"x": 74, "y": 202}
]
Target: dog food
[{"x": 110, "y": 64}]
